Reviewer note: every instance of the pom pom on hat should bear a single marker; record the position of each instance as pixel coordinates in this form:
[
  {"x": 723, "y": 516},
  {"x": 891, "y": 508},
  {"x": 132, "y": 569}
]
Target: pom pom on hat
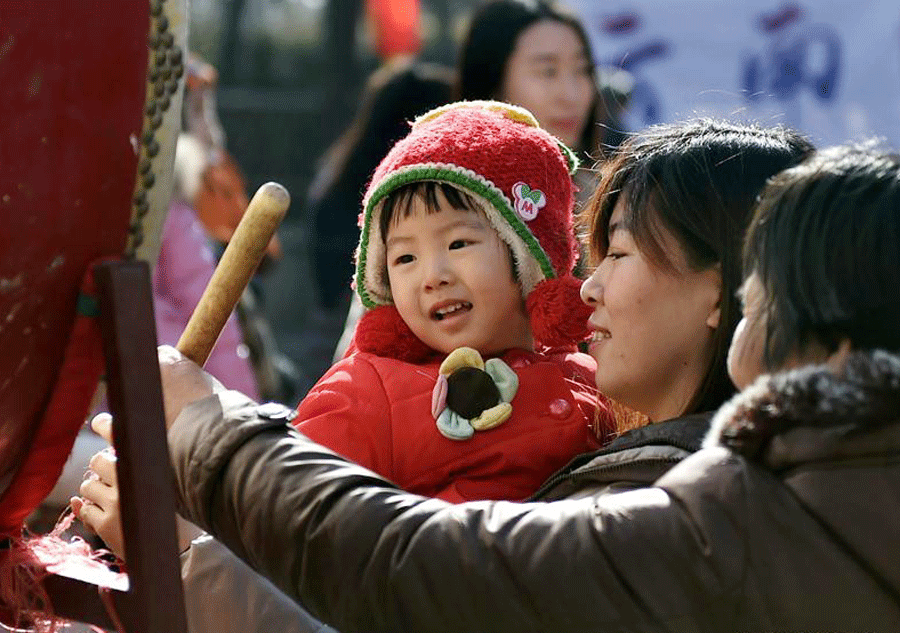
[
  {"x": 381, "y": 331},
  {"x": 558, "y": 315}
]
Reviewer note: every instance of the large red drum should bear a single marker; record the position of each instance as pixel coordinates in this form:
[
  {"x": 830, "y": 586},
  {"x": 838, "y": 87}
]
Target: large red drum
[{"x": 75, "y": 169}]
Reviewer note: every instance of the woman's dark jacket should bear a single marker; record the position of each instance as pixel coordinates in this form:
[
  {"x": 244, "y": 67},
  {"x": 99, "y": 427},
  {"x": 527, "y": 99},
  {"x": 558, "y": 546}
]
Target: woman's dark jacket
[
  {"x": 787, "y": 520},
  {"x": 635, "y": 459}
]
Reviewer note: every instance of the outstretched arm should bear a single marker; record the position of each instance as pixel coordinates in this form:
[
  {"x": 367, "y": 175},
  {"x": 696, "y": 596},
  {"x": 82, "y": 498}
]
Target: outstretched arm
[
  {"x": 222, "y": 594},
  {"x": 363, "y": 555}
]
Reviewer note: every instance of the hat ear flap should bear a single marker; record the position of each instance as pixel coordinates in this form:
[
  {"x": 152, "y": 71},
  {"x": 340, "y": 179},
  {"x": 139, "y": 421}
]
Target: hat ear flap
[
  {"x": 382, "y": 332},
  {"x": 558, "y": 315}
]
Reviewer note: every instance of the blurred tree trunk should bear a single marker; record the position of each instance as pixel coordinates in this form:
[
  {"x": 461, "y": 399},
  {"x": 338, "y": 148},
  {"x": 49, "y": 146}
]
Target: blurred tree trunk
[
  {"x": 341, "y": 19},
  {"x": 230, "y": 38}
]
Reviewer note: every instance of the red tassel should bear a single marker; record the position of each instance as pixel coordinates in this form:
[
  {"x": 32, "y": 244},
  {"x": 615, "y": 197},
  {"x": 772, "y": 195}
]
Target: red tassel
[
  {"x": 383, "y": 332},
  {"x": 28, "y": 560},
  {"x": 558, "y": 315},
  {"x": 21, "y": 593}
]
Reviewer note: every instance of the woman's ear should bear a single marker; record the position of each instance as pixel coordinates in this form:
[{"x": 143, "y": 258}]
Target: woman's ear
[{"x": 715, "y": 315}]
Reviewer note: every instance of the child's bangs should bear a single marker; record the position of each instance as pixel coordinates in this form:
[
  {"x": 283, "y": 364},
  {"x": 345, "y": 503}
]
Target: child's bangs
[{"x": 399, "y": 203}]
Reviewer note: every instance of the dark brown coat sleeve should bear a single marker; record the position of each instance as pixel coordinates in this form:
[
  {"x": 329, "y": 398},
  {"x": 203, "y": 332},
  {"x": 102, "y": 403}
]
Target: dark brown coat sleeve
[{"x": 364, "y": 556}]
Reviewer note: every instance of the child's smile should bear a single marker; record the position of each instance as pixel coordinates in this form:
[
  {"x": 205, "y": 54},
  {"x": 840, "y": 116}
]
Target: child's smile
[{"x": 450, "y": 309}]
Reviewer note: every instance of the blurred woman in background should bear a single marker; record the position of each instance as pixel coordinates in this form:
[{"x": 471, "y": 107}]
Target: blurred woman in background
[
  {"x": 394, "y": 96},
  {"x": 533, "y": 55}
]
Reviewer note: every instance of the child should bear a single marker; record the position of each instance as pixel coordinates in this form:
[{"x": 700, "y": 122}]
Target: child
[{"x": 465, "y": 253}]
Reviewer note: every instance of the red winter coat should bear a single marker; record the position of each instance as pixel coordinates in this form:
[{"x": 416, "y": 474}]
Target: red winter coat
[{"x": 376, "y": 411}]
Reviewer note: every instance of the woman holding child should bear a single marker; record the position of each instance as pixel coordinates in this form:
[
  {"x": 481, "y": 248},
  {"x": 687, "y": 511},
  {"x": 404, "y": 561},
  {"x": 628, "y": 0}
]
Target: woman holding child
[
  {"x": 697, "y": 244},
  {"x": 665, "y": 229},
  {"x": 763, "y": 529}
]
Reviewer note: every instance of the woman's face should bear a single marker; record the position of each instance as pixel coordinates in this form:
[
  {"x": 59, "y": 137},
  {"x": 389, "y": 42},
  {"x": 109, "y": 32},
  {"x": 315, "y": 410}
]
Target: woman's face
[
  {"x": 549, "y": 74},
  {"x": 652, "y": 329},
  {"x": 746, "y": 356}
]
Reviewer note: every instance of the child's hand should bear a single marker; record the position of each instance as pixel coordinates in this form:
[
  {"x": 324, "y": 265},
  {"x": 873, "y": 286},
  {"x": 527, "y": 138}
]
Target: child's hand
[{"x": 98, "y": 505}]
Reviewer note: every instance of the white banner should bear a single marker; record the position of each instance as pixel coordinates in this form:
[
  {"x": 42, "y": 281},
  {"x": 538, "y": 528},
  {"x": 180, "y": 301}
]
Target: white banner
[{"x": 829, "y": 68}]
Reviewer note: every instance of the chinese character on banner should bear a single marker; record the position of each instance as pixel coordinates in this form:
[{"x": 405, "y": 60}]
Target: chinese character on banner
[
  {"x": 639, "y": 50},
  {"x": 798, "y": 54}
]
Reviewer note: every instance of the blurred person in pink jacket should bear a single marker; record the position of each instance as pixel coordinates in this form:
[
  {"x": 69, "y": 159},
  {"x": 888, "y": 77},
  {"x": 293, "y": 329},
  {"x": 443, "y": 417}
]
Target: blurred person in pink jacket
[
  {"x": 183, "y": 269},
  {"x": 186, "y": 261}
]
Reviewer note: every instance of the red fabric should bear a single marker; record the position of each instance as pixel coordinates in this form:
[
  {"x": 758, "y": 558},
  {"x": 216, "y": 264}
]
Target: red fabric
[
  {"x": 557, "y": 314},
  {"x": 383, "y": 332},
  {"x": 51, "y": 444},
  {"x": 396, "y": 26},
  {"x": 377, "y": 412}
]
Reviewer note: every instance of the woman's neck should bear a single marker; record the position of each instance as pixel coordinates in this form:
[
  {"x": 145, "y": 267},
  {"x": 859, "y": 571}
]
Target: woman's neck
[{"x": 671, "y": 403}]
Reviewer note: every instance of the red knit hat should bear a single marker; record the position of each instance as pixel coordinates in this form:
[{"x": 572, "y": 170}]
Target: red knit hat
[{"x": 521, "y": 176}]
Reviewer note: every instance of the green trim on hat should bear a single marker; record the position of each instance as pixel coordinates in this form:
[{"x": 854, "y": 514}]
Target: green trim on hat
[
  {"x": 570, "y": 156},
  {"x": 461, "y": 177}
]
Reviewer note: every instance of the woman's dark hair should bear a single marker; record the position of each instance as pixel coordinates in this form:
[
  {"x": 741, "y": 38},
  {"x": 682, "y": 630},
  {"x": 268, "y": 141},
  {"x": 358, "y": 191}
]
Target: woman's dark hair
[
  {"x": 491, "y": 39},
  {"x": 698, "y": 181},
  {"x": 825, "y": 242},
  {"x": 394, "y": 96}
]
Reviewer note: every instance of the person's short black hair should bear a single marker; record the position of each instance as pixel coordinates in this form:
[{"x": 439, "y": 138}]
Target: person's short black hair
[
  {"x": 698, "y": 180},
  {"x": 400, "y": 201},
  {"x": 825, "y": 243},
  {"x": 491, "y": 38},
  {"x": 398, "y": 204}
]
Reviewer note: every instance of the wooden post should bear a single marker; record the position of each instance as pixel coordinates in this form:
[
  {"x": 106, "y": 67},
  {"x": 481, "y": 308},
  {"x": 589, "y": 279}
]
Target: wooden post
[{"x": 154, "y": 600}]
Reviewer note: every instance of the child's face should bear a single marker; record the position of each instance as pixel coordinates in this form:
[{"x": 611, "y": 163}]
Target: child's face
[{"x": 452, "y": 281}]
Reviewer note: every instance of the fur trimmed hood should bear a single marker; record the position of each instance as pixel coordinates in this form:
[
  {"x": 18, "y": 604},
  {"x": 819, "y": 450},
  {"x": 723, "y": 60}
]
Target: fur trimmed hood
[{"x": 793, "y": 415}]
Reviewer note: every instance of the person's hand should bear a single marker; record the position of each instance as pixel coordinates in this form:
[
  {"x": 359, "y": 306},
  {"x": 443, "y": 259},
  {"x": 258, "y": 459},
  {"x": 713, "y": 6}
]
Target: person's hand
[
  {"x": 183, "y": 382},
  {"x": 98, "y": 505}
]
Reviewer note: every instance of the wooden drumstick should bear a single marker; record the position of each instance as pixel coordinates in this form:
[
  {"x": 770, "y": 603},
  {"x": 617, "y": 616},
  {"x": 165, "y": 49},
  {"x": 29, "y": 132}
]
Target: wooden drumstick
[{"x": 243, "y": 254}]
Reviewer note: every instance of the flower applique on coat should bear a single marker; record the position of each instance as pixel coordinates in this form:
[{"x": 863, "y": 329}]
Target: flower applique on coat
[{"x": 471, "y": 394}]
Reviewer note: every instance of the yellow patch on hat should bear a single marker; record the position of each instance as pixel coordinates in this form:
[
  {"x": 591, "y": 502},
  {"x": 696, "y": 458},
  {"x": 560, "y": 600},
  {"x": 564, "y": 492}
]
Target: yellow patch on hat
[{"x": 511, "y": 112}]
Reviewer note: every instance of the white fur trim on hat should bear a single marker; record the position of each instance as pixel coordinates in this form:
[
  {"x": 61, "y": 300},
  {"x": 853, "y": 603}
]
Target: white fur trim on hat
[{"x": 532, "y": 263}]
